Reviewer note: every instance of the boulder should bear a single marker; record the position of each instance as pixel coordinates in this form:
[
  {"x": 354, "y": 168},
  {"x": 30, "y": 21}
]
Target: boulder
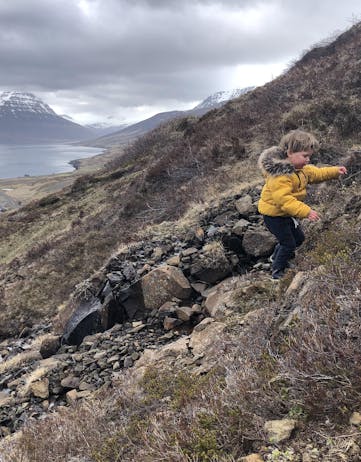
[
  {"x": 170, "y": 323},
  {"x": 70, "y": 382},
  {"x": 220, "y": 298},
  {"x": 240, "y": 227},
  {"x": 184, "y": 313},
  {"x": 40, "y": 388},
  {"x": 258, "y": 242},
  {"x": 214, "y": 304},
  {"x": 94, "y": 315},
  {"x": 173, "y": 261},
  {"x": 85, "y": 320},
  {"x": 71, "y": 396},
  {"x": 204, "y": 335},
  {"x": 49, "y": 346},
  {"x": 211, "y": 264},
  {"x": 279, "y": 430},
  {"x": 245, "y": 206},
  {"x": 162, "y": 284},
  {"x": 152, "y": 358}
]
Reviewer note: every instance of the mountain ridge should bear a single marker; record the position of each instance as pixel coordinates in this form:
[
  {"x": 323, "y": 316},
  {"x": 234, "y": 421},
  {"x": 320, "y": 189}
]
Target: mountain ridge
[
  {"x": 26, "y": 119},
  {"x": 134, "y": 131},
  {"x": 221, "y": 97},
  {"x": 18, "y": 103}
]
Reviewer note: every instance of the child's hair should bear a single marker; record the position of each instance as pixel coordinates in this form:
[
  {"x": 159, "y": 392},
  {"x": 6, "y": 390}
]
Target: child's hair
[{"x": 297, "y": 141}]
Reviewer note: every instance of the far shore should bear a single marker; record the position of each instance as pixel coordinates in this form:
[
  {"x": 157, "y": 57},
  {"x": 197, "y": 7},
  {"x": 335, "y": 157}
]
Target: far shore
[{"x": 15, "y": 192}]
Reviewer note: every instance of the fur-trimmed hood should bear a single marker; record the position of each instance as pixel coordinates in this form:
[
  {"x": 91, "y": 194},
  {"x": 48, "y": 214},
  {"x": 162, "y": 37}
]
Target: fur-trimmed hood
[{"x": 273, "y": 162}]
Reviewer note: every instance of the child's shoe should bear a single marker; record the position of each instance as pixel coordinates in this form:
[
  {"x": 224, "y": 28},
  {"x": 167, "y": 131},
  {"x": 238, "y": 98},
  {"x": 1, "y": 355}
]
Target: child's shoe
[
  {"x": 273, "y": 256},
  {"x": 278, "y": 274}
]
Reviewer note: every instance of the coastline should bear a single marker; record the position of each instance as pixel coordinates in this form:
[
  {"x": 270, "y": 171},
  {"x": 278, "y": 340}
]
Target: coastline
[{"x": 16, "y": 192}]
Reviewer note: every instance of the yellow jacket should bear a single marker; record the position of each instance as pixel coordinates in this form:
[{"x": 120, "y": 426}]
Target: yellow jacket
[{"x": 285, "y": 187}]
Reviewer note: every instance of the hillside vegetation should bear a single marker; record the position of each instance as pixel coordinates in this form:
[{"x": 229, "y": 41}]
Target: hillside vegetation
[
  {"x": 67, "y": 236},
  {"x": 286, "y": 352}
]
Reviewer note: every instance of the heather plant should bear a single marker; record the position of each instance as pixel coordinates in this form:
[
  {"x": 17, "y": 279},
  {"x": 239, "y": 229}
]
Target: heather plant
[{"x": 262, "y": 373}]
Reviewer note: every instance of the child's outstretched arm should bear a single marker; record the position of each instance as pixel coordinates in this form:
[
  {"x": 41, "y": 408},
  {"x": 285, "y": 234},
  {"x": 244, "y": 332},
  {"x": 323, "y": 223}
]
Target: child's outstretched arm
[
  {"x": 313, "y": 215},
  {"x": 319, "y": 174}
]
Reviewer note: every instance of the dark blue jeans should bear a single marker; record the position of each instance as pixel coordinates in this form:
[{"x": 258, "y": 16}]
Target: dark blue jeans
[{"x": 289, "y": 237}]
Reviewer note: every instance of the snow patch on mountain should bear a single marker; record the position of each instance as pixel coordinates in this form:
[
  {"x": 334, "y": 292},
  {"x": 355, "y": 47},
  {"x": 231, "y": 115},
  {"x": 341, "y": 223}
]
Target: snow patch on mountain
[
  {"x": 221, "y": 97},
  {"x": 26, "y": 119},
  {"x": 17, "y": 103}
]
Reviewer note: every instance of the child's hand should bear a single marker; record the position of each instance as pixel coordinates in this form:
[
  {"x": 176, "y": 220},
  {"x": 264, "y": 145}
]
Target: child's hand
[
  {"x": 313, "y": 216},
  {"x": 342, "y": 170}
]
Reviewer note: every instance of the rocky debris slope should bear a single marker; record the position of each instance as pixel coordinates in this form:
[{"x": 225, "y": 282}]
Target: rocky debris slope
[
  {"x": 166, "y": 292},
  {"x": 230, "y": 239},
  {"x": 32, "y": 386},
  {"x": 152, "y": 293}
]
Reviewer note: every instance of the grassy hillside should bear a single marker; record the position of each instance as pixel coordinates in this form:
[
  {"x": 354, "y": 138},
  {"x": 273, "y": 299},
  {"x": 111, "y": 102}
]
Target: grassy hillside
[
  {"x": 51, "y": 245},
  {"x": 286, "y": 351}
]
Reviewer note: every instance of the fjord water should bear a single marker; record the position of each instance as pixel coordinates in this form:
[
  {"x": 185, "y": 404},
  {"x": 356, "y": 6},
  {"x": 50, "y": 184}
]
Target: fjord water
[{"x": 35, "y": 160}]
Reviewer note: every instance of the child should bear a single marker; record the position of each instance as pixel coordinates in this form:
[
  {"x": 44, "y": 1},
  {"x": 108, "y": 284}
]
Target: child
[{"x": 287, "y": 174}]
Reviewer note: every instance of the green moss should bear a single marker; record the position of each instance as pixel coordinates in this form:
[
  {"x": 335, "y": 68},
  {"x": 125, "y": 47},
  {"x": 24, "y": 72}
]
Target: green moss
[
  {"x": 181, "y": 387},
  {"x": 335, "y": 244},
  {"x": 114, "y": 447},
  {"x": 203, "y": 446},
  {"x": 297, "y": 412},
  {"x": 254, "y": 296}
]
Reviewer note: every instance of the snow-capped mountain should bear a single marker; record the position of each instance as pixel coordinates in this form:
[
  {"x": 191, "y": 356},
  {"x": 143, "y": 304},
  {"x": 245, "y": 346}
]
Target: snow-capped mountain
[
  {"x": 20, "y": 104},
  {"x": 26, "y": 119},
  {"x": 134, "y": 131},
  {"x": 221, "y": 97}
]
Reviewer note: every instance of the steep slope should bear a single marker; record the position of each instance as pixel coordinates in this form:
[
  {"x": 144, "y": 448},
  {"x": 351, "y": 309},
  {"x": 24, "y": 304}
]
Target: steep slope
[
  {"x": 68, "y": 236},
  {"x": 26, "y": 119},
  {"x": 253, "y": 367},
  {"x": 273, "y": 373}
]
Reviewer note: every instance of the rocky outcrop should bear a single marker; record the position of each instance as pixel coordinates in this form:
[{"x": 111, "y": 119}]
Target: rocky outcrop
[{"x": 230, "y": 240}]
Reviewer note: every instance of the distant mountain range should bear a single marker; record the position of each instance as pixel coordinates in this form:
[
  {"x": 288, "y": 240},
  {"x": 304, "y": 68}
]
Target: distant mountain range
[
  {"x": 131, "y": 132},
  {"x": 26, "y": 119}
]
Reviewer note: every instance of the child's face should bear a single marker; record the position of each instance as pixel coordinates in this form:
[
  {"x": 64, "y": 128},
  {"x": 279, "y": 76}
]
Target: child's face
[{"x": 299, "y": 159}]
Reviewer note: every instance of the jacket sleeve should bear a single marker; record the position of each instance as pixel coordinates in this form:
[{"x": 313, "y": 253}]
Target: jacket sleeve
[
  {"x": 281, "y": 190},
  {"x": 317, "y": 174}
]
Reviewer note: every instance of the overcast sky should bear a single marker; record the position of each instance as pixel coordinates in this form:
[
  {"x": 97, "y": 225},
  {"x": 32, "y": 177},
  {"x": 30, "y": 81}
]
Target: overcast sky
[{"x": 125, "y": 60}]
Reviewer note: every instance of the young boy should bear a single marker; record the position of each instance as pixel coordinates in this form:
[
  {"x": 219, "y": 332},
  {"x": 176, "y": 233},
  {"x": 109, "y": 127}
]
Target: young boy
[{"x": 287, "y": 174}]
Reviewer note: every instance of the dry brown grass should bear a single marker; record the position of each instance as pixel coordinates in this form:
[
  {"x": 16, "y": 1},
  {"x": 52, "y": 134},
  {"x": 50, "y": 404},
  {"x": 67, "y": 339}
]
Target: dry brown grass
[
  {"x": 157, "y": 178},
  {"x": 309, "y": 372}
]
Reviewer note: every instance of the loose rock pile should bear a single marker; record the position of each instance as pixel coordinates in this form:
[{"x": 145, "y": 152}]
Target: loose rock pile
[
  {"x": 230, "y": 240},
  {"x": 146, "y": 296},
  {"x": 31, "y": 388}
]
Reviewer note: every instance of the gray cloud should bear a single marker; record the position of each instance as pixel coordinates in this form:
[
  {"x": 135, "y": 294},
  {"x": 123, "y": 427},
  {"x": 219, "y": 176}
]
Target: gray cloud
[{"x": 107, "y": 54}]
